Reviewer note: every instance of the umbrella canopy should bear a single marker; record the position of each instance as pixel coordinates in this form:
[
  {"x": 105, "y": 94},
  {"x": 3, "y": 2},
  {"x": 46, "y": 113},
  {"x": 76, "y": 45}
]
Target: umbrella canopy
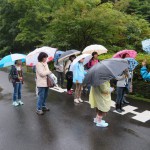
[
  {"x": 105, "y": 70},
  {"x": 32, "y": 58},
  {"x": 57, "y": 55},
  {"x": 87, "y": 58},
  {"x": 95, "y": 48},
  {"x": 132, "y": 63},
  {"x": 10, "y": 59},
  {"x": 119, "y": 54},
  {"x": 67, "y": 54},
  {"x": 146, "y": 45}
]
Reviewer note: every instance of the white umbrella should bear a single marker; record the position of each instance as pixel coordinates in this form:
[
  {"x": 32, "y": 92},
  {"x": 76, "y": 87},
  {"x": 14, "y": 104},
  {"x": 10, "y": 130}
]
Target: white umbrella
[
  {"x": 32, "y": 58},
  {"x": 95, "y": 48},
  {"x": 87, "y": 58}
]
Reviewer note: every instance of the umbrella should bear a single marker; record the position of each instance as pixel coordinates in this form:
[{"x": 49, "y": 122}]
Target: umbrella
[
  {"x": 87, "y": 58},
  {"x": 32, "y": 58},
  {"x": 10, "y": 59},
  {"x": 132, "y": 63},
  {"x": 119, "y": 54},
  {"x": 95, "y": 48},
  {"x": 67, "y": 54},
  {"x": 57, "y": 55},
  {"x": 146, "y": 45},
  {"x": 105, "y": 70}
]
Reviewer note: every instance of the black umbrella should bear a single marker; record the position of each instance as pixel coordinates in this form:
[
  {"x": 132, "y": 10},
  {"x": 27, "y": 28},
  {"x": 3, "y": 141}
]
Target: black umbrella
[
  {"x": 67, "y": 54},
  {"x": 105, "y": 70}
]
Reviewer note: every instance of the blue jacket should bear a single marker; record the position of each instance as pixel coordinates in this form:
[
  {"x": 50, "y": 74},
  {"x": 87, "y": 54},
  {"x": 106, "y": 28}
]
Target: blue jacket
[
  {"x": 78, "y": 73},
  {"x": 145, "y": 74}
]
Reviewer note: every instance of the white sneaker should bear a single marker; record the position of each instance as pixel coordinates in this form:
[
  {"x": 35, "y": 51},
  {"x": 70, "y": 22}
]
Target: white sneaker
[
  {"x": 76, "y": 101},
  {"x": 95, "y": 120},
  {"x": 15, "y": 104},
  {"x": 102, "y": 124},
  {"x": 80, "y": 100},
  {"x": 20, "y": 102}
]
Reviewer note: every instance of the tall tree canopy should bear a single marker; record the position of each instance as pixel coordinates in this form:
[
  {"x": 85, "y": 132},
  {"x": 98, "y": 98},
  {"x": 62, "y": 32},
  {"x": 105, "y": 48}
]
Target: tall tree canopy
[{"x": 67, "y": 24}]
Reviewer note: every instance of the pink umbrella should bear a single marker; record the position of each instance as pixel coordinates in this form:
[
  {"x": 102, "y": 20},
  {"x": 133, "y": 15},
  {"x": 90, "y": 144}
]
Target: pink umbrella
[{"x": 119, "y": 54}]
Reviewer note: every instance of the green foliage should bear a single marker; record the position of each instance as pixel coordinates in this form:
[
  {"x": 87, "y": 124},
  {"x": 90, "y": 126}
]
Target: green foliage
[{"x": 72, "y": 24}]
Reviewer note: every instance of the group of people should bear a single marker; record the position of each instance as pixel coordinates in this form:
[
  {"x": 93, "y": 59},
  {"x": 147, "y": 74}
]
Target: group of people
[{"x": 99, "y": 97}]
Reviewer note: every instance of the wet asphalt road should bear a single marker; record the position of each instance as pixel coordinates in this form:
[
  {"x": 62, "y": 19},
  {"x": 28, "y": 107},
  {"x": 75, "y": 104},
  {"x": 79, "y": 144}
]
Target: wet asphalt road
[{"x": 66, "y": 126}]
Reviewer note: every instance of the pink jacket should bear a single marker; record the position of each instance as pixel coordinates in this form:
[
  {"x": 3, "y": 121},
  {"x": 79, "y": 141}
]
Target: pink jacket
[{"x": 92, "y": 62}]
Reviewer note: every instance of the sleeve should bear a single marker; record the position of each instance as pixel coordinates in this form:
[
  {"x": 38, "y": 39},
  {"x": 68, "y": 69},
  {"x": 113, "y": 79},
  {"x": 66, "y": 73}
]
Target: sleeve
[
  {"x": 55, "y": 64},
  {"x": 120, "y": 77},
  {"x": 75, "y": 72},
  {"x": 145, "y": 74},
  {"x": 105, "y": 89},
  {"x": 89, "y": 64},
  {"x": 67, "y": 66},
  {"x": 39, "y": 69}
]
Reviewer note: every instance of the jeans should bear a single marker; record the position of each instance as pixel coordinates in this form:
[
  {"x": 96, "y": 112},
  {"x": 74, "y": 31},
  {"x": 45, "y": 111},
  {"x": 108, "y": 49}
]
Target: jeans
[
  {"x": 120, "y": 94},
  {"x": 60, "y": 78},
  {"x": 17, "y": 91},
  {"x": 42, "y": 96}
]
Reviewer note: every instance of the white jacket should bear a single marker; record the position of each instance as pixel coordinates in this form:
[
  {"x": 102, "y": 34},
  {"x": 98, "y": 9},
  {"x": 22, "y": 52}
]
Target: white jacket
[
  {"x": 122, "y": 80},
  {"x": 42, "y": 70}
]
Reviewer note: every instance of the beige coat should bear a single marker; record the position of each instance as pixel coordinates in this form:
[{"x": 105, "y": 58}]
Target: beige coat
[{"x": 42, "y": 71}]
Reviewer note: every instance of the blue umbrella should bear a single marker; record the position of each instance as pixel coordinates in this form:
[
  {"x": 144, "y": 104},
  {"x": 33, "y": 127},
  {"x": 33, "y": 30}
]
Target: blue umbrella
[
  {"x": 132, "y": 63},
  {"x": 57, "y": 55},
  {"x": 146, "y": 45},
  {"x": 10, "y": 59}
]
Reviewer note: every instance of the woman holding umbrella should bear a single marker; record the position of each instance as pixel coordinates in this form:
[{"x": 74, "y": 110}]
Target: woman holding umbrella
[
  {"x": 100, "y": 95},
  {"x": 69, "y": 74},
  {"x": 78, "y": 77},
  {"x": 16, "y": 76},
  {"x": 42, "y": 71}
]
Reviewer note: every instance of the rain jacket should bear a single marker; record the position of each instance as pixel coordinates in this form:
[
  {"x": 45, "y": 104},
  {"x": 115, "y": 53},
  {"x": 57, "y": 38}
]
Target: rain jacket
[
  {"x": 145, "y": 74},
  {"x": 78, "y": 73},
  {"x": 98, "y": 97}
]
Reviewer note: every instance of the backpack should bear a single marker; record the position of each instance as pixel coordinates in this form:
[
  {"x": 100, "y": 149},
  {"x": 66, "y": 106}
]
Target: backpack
[{"x": 10, "y": 75}]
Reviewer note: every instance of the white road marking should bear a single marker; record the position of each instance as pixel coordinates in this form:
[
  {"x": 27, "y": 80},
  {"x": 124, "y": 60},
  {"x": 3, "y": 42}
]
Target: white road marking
[{"x": 142, "y": 117}]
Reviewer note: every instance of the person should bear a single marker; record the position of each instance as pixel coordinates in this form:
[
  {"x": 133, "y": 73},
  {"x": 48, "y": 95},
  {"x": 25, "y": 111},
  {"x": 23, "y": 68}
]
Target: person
[
  {"x": 78, "y": 77},
  {"x": 36, "y": 89},
  {"x": 16, "y": 77},
  {"x": 129, "y": 89},
  {"x": 100, "y": 98},
  {"x": 144, "y": 72},
  {"x": 42, "y": 71},
  {"x": 59, "y": 72},
  {"x": 122, "y": 84},
  {"x": 94, "y": 60},
  {"x": 69, "y": 74}
]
